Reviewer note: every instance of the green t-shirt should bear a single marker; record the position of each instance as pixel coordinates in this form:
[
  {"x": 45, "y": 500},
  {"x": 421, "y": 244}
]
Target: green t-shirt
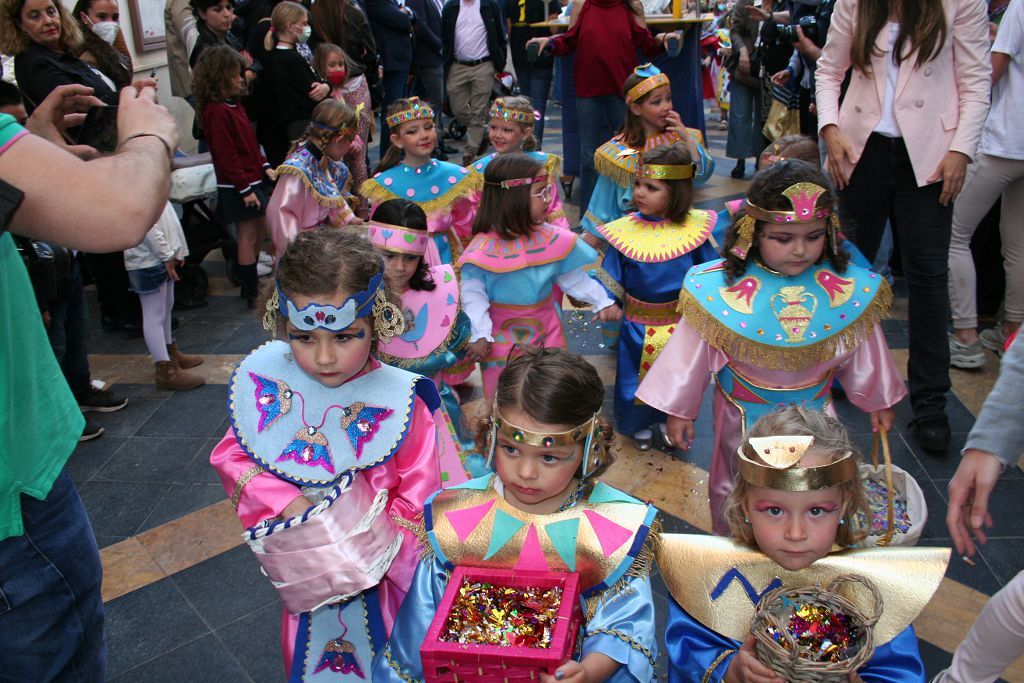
[{"x": 39, "y": 418}]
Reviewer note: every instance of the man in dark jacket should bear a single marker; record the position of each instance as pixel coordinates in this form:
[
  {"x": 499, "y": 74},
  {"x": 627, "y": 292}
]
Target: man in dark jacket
[
  {"x": 473, "y": 41},
  {"x": 392, "y": 30},
  {"x": 428, "y": 66}
]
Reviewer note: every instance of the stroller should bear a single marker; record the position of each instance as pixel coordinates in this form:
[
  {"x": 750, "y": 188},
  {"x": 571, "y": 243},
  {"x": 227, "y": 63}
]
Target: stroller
[
  {"x": 193, "y": 186},
  {"x": 504, "y": 85}
]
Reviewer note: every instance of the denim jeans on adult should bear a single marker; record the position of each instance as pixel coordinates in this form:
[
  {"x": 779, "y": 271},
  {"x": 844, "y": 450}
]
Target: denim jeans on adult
[
  {"x": 68, "y": 332},
  {"x": 51, "y": 610},
  {"x": 540, "y": 88},
  {"x": 883, "y": 187},
  {"x": 597, "y": 119},
  {"x": 744, "y": 138},
  {"x": 394, "y": 89}
]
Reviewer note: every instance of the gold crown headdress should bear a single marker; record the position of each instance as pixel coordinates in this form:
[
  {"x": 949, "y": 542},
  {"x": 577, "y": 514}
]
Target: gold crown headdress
[
  {"x": 588, "y": 433},
  {"x": 803, "y": 197},
  {"x": 499, "y": 110},
  {"x": 783, "y": 471},
  {"x": 653, "y": 79},
  {"x": 415, "y": 111},
  {"x": 666, "y": 171}
]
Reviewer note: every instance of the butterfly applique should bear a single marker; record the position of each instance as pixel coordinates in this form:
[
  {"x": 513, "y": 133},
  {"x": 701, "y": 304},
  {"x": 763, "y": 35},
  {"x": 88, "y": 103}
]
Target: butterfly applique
[
  {"x": 273, "y": 399},
  {"x": 339, "y": 656},
  {"x": 309, "y": 447},
  {"x": 361, "y": 422}
]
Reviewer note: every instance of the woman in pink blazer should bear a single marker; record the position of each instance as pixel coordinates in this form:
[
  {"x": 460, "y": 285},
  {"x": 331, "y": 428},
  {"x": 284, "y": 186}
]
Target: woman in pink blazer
[{"x": 898, "y": 149}]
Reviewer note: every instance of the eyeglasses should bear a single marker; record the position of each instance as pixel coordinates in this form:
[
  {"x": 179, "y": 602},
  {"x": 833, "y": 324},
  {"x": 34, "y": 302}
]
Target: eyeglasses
[{"x": 544, "y": 193}]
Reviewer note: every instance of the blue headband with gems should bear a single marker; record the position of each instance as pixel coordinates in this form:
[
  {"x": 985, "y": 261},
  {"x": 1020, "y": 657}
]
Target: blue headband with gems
[
  {"x": 388, "y": 320},
  {"x": 589, "y": 433}
]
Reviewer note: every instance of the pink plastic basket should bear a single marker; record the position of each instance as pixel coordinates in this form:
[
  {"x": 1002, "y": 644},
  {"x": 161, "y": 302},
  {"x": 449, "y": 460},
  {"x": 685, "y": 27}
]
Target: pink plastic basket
[{"x": 445, "y": 662}]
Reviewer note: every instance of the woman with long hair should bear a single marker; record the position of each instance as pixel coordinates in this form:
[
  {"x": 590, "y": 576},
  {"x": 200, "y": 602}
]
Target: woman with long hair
[{"x": 898, "y": 149}]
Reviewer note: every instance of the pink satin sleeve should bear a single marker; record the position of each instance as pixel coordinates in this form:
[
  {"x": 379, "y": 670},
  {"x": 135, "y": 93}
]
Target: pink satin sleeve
[
  {"x": 676, "y": 382},
  {"x": 342, "y": 215},
  {"x": 410, "y": 476},
  {"x": 265, "y": 495},
  {"x": 291, "y": 208},
  {"x": 870, "y": 378},
  {"x": 555, "y": 206},
  {"x": 463, "y": 215}
]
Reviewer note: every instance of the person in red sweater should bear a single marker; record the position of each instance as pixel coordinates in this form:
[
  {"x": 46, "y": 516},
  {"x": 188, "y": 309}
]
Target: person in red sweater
[
  {"x": 237, "y": 159},
  {"x": 605, "y": 35}
]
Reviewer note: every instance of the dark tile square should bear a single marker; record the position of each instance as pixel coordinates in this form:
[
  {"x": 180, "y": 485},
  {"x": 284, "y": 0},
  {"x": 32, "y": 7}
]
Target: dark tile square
[
  {"x": 247, "y": 337},
  {"x": 203, "y": 337},
  {"x": 127, "y": 421},
  {"x": 255, "y": 641},
  {"x": 1005, "y": 557},
  {"x": 207, "y": 392},
  {"x": 89, "y": 457},
  {"x": 200, "y": 471},
  {"x": 935, "y": 659},
  {"x": 199, "y": 418},
  {"x": 979, "y": 577},
  {"x": 180, "y": 500},
  {"x": 222, "y": 309},
  {"x": 203, "y": 659},
  {"x": 935, "y": 527},
  {"x": 118, "y": 509},
  {"x": 226, "y": 587},
  {"x": 144, "y": 391},
  {"x": 148, "y": 623},
  {"x": 901, "y": 453},
  {"x": 156, "y": 460},
  {"x": 1006, "y": 505},
  {"x": 103, "y": 540}
]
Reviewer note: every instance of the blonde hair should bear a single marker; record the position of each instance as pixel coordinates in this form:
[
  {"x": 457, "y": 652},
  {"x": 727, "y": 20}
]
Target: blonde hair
[
  {"x": 831, "y": 442},
  {"x": 14, "y": 40},
  {"x": 521, "y": 104},
  {"x": 329, "y": 117},
  {"x": 285, "y": 13}
]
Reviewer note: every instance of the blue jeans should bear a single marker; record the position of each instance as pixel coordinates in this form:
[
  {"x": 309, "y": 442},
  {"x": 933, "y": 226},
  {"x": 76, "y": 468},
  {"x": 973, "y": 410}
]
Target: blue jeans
[
  {"x": 67, "y": 333},
  {"x": 597, "y": 119},
  {"x": 744, "y": 139},
  {"x": 394, "y": 89},
  {"x": 540, "y": 88},
  {"x": 51, "y": 610}
]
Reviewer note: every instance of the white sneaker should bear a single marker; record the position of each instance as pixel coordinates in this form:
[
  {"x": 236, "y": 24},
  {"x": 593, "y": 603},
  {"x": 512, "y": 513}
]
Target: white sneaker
[
  {"x": 263, "y": 270},
  {"x": 993, "y": 339},
  {"x": 965, "y": 356},
  {"x": 266, "y": 258}
]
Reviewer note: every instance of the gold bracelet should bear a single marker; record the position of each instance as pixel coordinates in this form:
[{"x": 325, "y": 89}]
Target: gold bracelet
[
  {"x": 167, "y": 146},
  {"x": 243, "y": 480},
  {"x": 710, "y": 671}
]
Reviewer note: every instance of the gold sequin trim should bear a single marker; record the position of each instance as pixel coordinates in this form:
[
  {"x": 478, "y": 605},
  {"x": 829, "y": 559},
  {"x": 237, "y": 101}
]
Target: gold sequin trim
[
  {"x": 710, "y": 671},
  {"x": 243, "y": 481},
  {"x": 647, "y": 313},
  {"x": 396, "y": 667},
  {"x": 626, "y": 638}
]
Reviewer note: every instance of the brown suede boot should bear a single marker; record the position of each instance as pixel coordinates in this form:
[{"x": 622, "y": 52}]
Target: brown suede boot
[
  {"x": 169, "y": 376},
  {"x": 184, "y": 361}
]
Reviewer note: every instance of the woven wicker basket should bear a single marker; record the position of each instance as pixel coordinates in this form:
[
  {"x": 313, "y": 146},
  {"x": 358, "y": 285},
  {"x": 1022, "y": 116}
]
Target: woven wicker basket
[
  {"x": 897, "y": 482},
  {"x": 787, "y": 661}
]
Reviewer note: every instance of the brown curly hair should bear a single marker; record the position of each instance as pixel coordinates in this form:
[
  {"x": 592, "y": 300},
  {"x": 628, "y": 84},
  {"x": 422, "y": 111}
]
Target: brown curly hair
[
  {"x": 211, "y": 79},
  {"x": 832, "y": 441},
  {"x": 765, "y": 191},
  {"x": 552, "y": 386},
  {"x": 14, "y": 40}
]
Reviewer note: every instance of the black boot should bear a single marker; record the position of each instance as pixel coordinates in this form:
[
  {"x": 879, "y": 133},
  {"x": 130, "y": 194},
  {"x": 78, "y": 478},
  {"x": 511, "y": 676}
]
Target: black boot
[
  {"x": 740, "y": 169},
  {"x": 250, "y": 284}
]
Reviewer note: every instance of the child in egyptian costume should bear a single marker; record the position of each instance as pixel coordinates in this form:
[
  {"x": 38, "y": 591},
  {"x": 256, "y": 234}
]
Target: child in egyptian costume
[
  {"x": 437, "y": 330},
  {"x": 510, "y": 132},
  {"x": 773, "y": 323},
  {"x": 543, "y": 510},
  {"x": 649, "y": 252},
  {"x": 326, "y": 447},
  {"x": 408, "y": 171},
  {"x": 798, "y": 505},
  {"x": 650, "y": 122}
]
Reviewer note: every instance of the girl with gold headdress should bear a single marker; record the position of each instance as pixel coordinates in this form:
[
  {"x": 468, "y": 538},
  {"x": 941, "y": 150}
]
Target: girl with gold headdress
[
  {"x": 510, "y": 132},
  {"x": 409, "y": 171},
  {"x": 796, "y": 510},
  {"x": 312, "y": 183},
  {"x": 650, "y": 121},
  {"x": 543, "y": 510},
  {"x": 773, "y": 322}
]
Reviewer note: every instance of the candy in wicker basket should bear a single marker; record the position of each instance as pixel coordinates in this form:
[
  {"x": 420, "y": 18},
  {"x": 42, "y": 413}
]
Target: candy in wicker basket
[
  {"x": 502, "y": 626},
  {"x": 814, "y": 634}
]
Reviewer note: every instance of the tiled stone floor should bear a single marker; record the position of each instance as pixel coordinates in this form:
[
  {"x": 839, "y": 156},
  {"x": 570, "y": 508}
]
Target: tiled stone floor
[{"x": 186, "y": 601}]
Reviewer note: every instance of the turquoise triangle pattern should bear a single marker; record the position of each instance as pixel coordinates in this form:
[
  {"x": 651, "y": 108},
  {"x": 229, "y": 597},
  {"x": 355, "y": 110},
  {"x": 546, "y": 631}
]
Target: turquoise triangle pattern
[
  {"x": 603, "y": 493},
  {"x": 478, "y": 484},
  {"x": 563, "y": 536},
  {"x": 505, "y": 527}
]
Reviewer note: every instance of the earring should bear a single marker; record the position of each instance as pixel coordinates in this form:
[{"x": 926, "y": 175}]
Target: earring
[
  {"x": 744, "y": 237},
  {"x": 746, "y": 520},
  {"x": 842, "y": 522},
  {"x": 270, "y": 316}
]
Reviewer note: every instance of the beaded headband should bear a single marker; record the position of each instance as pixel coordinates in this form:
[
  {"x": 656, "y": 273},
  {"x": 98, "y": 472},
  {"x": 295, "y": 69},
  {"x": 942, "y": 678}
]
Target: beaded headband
[
  {"x": 803, "y": 197},
  {"x": 667, "y": 171},
  {"x": 500, "y": 111},
  {"x": 417, "y": 110},
  {"x": 347, "y": 131},
  {"x": 588, "y": 433},
  {"x": 518, "y": 182},
  {"x": 387, "y": 318},
  {"x": 653, "y": 78},
  {"x": 783, "y": 472},
  {"x": 397, "y": 238}
]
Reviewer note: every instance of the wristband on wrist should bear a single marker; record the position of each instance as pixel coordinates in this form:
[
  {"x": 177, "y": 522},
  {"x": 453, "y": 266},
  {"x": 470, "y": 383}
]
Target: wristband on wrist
[{"x": 167, "y": 146}]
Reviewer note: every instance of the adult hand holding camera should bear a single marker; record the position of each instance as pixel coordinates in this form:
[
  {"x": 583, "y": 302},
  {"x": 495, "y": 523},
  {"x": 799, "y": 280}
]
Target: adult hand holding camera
[{"x": 806, "y": 46}]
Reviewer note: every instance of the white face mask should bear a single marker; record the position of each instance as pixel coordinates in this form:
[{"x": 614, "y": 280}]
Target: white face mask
[
  {"x": 307, "y": 31},
  {"x": 106, "y": 30}
]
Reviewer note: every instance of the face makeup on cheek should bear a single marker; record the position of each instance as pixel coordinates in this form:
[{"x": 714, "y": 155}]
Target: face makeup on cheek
[
  {"x": 791, "y": 248},
  {"x": 794, "y": 528},
  {"x": 536, "y": 479},
  {"x": 331, "y": 358}
]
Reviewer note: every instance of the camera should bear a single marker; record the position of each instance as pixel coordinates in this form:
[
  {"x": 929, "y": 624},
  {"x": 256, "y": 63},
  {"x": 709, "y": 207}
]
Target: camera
[{"x": 809, "y": 26}]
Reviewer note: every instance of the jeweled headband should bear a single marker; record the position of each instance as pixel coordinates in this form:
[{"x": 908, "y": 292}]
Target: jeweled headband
[
  {"x": 416, "y": 110},
  {"x": 803, "y": 197},
  {"x": 348, "y": 131},
  {"x": 783, "y": 472},
  {"x": 667, "y": 171},
  {"x": 588, "y": 433},
  {"x": 518, "y": 182},
  {"x": 397, "y": 238},
  {"x": 653, "y": 78},
  {"x": 500, "y": 111}
]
